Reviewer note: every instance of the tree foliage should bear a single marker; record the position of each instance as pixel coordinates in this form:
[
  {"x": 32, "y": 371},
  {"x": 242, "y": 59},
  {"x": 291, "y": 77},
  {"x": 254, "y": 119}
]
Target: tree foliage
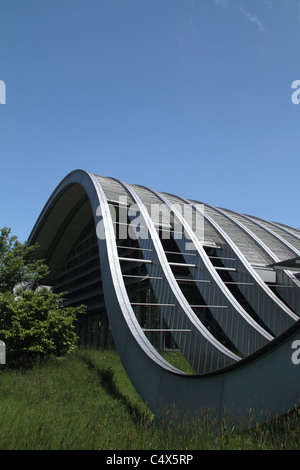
[
  {"x": 18, "y": 266},
  {"x": 33, "y": 321}
]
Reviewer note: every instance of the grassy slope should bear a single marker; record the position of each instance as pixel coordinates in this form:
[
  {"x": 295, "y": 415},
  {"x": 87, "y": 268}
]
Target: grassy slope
[{"x": 85, "y": 401}]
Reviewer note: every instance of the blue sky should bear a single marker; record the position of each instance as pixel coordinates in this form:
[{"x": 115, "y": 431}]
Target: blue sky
[{"x": 191, "y": 97}]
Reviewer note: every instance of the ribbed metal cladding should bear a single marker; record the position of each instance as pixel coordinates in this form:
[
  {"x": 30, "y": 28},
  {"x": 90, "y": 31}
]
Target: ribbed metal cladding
[
  {"x": 159, "y": 272},
  {"x": 192, "y": 274},
  {"x": 199, "y": 346}
]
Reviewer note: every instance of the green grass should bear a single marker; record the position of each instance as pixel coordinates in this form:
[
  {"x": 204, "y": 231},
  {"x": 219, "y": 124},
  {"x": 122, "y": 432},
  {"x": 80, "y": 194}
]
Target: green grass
[{"x": 86, "y": 401}]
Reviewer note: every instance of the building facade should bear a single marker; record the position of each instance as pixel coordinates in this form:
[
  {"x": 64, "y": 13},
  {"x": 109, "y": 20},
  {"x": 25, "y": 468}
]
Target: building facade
[{"x": 157, "y": 271}]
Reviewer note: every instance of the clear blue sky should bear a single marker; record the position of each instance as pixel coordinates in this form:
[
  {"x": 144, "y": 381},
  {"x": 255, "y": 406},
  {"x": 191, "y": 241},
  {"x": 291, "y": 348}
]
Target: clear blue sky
[{"x": 191, "y": 97}]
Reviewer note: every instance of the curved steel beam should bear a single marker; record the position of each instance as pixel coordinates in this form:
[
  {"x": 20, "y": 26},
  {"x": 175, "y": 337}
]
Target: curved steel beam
[
  {"x": 200, "y": 338},
  {"x": 289, "y": 276},
  {"x": 253, "y": 331},
  {"x": 287, "y": 230},
  {"x": 292, "y": 249},
  {"x": 282, "y": 317}
]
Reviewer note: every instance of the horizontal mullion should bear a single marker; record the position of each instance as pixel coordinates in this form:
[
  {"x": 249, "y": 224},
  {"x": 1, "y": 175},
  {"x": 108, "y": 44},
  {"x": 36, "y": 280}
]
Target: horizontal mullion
[
  {"x": 221, "y": 268},
  {"x": 191, "y": 280},
  {"x": 133, "y": 248},
  {"x": 153, "y": 304},
  {"x": 164, "y": 329},
  {"x": 135, "y": 260},
  {"x": 179, "y": 253},
  {"x": 280, "y": 285},
  {"x": 183, "y": 265},
  {"x": 142, "y": 277}
]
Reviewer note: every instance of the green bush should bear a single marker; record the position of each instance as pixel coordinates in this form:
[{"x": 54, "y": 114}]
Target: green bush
[
  {"x": 33, "y": 321},
  {"x": 32, "y": 324}
]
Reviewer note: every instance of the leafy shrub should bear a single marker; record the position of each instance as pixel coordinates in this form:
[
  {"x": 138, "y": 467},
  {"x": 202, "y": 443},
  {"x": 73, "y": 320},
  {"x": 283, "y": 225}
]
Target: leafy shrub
[
  {"x": 33, "y": 324},
  {"x": 33, "y": 321}
]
